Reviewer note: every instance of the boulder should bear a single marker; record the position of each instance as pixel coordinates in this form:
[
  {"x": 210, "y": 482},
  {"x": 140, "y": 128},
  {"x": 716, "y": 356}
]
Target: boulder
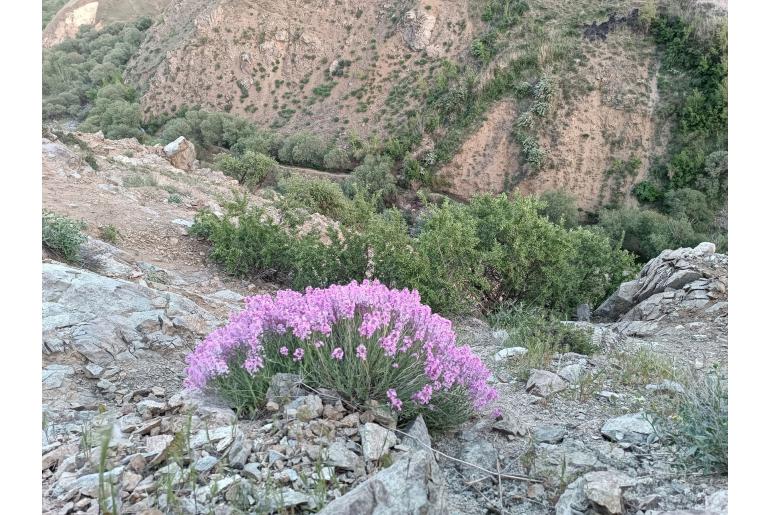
[
  {"x": 180, "y": 153},
  {"x": 107, "y": 320},
  {"x": 412, "y": 485},
  {"x": 418, "y": 436},
  {"x": 418, "y": 28},
  {"x": 632, "y": 428},
  {"x": 544, "y": 383},
  {"x": 599, "y": 491},
  {"x": 376, "y": 441},
  {"x": 619, "y": 302}
]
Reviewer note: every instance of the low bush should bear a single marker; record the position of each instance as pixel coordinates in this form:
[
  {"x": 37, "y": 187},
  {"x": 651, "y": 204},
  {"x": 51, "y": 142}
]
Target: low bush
[
  {"x": 560, "y": 208},
  {"x": 698, "y": 427},
  {"x": 250, "y": 168},
  {"x": 315, "y": 195},
  {"x": 63, "y": 236},
  {"x": 337, "y": 159},
  {"x": 364, "y": 340},
  {"x": 303, "y": 149},
  {"x": 647, "y": 233},
  {"x": 374, "y": 179},
  {"x": 460, "y": 257}
]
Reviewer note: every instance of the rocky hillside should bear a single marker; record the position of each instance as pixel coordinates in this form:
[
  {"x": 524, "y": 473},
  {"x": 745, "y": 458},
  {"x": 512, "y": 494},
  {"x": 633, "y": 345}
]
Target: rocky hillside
[
  {"x": 371, "y": 69},
  {"x": 97, "y": 13},
  {"x": 575, "y": 433}
]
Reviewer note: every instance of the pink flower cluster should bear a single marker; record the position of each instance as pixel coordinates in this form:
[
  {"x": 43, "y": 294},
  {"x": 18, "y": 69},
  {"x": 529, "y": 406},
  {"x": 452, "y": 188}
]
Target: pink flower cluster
[{"x": 403, "y": 323}]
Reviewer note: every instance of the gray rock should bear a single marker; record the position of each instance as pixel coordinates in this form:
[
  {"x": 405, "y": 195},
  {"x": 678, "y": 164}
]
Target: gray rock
[
  {"x": 253, "y": 470},
  {"x": 633, "y": 428},
  {"x": 681, "y": 278},
  {"x": 55, "y": 374},
  {"x": 568, "y": 459},
  {"x": 595, "y": 492},
  {"x": 604, "y": 489},
  {"x": 418, "y": 436},
  {"x": 619, "y": 302},
  {"x": 106, "y": 319},
  {"x": 704, "y": 249},
  {"x": 478, "y": 452},
  {"x": 509, "y": 426},
  {"x": 205, "y": 463},
  {"x": 412, "y": 485},
  {"x": 666, "y": 386},
  {"x": 239, "y": 450},
  {"x": 271, "y": 501},
  {"x": 108, "y": 260},
  {"x": 549, "y": 434},
  {"x": 180, "y": 153},
  {"x": 544, "y": 383},
  {"x": 93, "y": 371},
  {"x": 376, "y": 440},
  {"x": 717, "y": 502},
  {"x": 510, "y": 352},
  {"x": 572, "y": 373},
  {"x": 341, "y": 457},
  {"x": 305, "y": 408}
]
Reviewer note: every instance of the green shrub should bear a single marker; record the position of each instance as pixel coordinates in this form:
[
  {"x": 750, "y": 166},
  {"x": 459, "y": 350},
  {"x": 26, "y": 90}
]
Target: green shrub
[
  {"x": 461, "y": 257},
  {"x": 647, "y": 233},
  {"x": 109, "y": 234},
  {"x": 374, "y": 178},
  {"x": 690, "y": 205},
  {"x": 315, "y": 195},
  {"x": 647, "y": 191},
  {"x": 560, "y": 208},
  {"x": 699, "y": 426},
  {"x": 303, "y": 149},
  {"x": 337, "y": 159},
  {"x": 63, "y": 236},
  {"x": 250, "y": 168}
]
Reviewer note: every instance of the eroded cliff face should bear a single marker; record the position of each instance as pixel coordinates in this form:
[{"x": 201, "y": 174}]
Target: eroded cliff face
[{"x": 319, "y": 65}]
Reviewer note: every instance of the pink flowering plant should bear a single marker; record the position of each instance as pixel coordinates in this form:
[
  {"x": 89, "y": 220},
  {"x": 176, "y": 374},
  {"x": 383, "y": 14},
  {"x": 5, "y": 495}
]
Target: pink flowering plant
[{"x": 364, "y": 340}]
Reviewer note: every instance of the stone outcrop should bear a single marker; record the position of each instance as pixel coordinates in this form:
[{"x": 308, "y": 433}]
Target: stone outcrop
[
  {"x": 677, "y": 279},
  {"x": 106, "y": 320},
  {"x": 180, "y": 153},
  {"x": 412, "y": 485}
]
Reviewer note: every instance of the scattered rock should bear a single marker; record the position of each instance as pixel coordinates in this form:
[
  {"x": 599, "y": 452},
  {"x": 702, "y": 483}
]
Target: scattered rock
[
  {"x": 478, "y": 452},
  {"x": 549, "y": 434},
  {"x": 418, "y": 436},
  {"x": 633, "y": 428},
  {"x": 544, "y": 383},
  {"x": 571, "y": 373},
  {"x": 341, "y": 457},
  {"x": 510, "y": 352}
]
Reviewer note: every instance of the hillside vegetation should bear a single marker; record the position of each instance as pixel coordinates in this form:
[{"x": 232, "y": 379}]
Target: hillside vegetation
[{"x": 532, "y": 57}]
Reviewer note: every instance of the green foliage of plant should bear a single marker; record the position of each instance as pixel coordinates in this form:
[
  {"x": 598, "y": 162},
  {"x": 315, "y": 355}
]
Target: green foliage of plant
[
  {"x": 647, "y": 191},
  {"x": 540, "y": 332},
  {"x": 337, "y": 159},
  {"x": 699, "y": 426},
  {"x": 63, "y": 236},
  {"x": 316, "y": 195},
  {"x": 303, "y": 149},
  {"x": 647, "y": 233},
  {"x": 533, "y": 153},
  {"x": 250, "y": 168},
  {"x": 560, "y": 208},
  {"x": 109, "y": 233},
  {"x": 691, "y": 205},
  {"x": 75, "y": 71},
  {"x": 374, "y": 178},
  {"x": 697, "y": 97},
  {"x": 461, "y": 257}
]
